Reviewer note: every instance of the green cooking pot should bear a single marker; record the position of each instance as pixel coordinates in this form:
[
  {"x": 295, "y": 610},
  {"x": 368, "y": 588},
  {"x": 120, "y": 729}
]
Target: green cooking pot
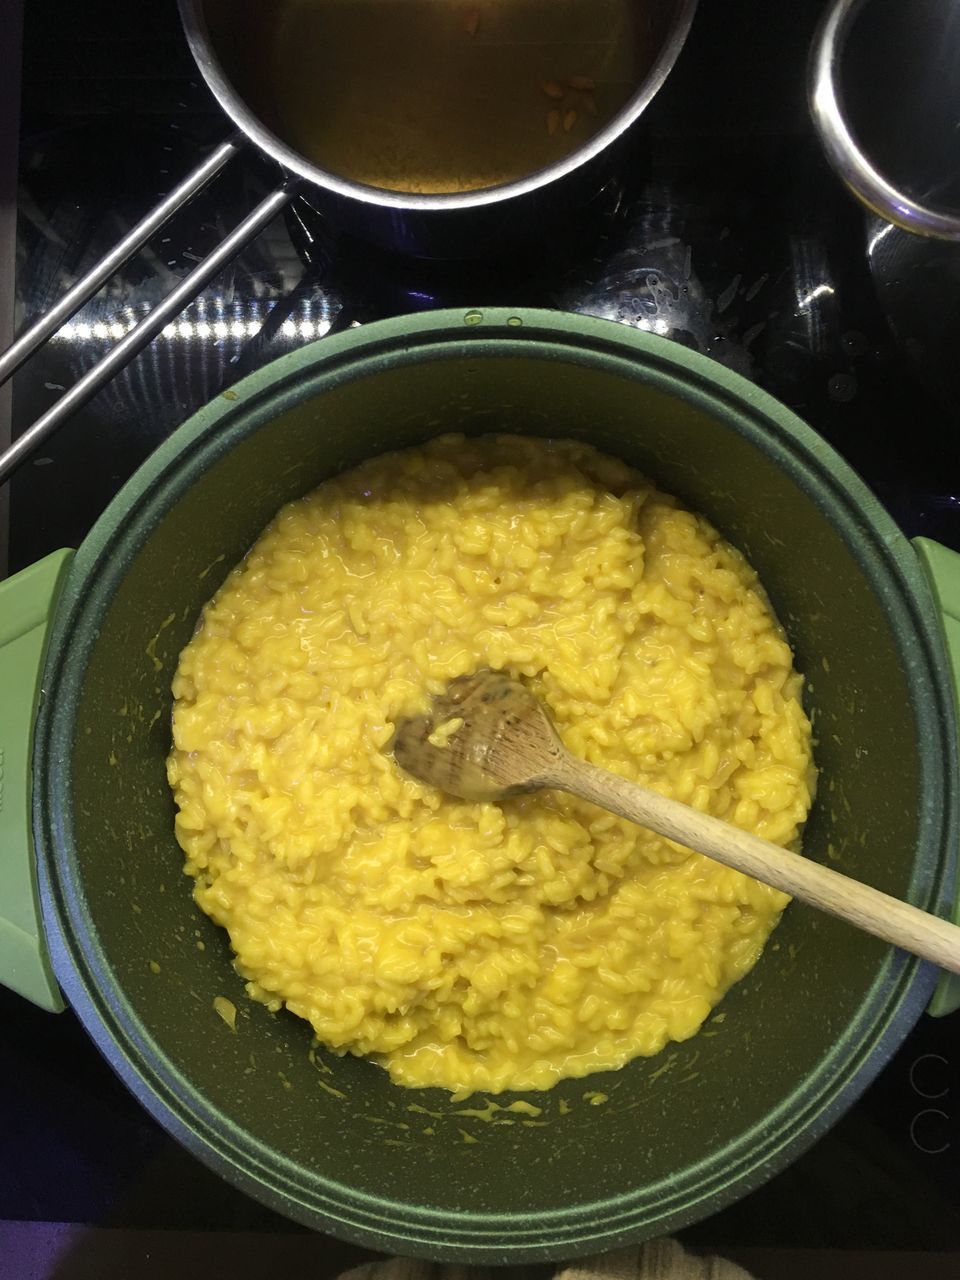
[{"x": 330, "y": 1141}]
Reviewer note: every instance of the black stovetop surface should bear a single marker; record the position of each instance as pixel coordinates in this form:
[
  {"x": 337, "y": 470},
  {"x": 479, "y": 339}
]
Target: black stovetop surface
[{"x": 724, "y": 230}]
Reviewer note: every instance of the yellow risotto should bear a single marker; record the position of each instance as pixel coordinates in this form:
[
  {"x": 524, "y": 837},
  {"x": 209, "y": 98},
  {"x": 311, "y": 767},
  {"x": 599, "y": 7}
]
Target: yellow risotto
[{"x": 485, "y": 946}]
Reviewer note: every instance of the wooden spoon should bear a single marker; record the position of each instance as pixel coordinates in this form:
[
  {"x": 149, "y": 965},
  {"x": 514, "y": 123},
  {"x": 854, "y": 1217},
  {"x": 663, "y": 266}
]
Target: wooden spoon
[{"x": 487, "y": 737}]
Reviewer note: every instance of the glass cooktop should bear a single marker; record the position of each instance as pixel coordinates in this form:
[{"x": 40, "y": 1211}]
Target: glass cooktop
[{"x": 724, "y": 229}]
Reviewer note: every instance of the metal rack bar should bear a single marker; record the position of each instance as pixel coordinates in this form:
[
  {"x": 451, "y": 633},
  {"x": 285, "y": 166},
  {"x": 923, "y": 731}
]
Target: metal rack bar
[
  {"x": 143, "y": 333},
  {"x": 87, "y": 286}
]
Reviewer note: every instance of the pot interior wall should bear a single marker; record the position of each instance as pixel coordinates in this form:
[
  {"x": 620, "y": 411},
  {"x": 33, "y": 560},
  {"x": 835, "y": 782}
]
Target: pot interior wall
[{"x": 340, "y": 1119}]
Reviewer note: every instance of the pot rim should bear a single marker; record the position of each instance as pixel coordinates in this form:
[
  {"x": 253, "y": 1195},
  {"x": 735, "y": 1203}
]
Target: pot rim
[
  {"x": 205, "y": 56},
  {"x": 902, "y": 985}
]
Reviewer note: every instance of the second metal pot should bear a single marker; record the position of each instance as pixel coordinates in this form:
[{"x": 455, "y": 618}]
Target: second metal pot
[{"x": 885, "y": 98}]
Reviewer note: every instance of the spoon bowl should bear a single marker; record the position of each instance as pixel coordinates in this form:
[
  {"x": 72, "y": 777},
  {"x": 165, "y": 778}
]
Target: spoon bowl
[{"x": 486, "y": 737}]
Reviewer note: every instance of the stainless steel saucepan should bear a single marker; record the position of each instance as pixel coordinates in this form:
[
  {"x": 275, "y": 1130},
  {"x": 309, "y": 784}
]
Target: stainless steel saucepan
[{"x": 483, "y": 127}]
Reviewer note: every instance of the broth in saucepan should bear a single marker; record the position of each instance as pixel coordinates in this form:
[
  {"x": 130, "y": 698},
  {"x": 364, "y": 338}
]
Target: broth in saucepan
[{"x": 449, "y": 95}]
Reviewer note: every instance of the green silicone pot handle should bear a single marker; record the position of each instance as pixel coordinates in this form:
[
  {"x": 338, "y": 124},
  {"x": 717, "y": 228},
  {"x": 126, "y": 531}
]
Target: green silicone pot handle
[
  {"x": 27, "y": 603},
  {"x": 943, "y": 571}
]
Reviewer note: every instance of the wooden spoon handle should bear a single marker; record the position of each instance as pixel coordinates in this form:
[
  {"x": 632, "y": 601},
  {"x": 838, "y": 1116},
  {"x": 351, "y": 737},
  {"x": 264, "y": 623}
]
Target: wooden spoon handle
[{"x": 889, "y": 918}]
